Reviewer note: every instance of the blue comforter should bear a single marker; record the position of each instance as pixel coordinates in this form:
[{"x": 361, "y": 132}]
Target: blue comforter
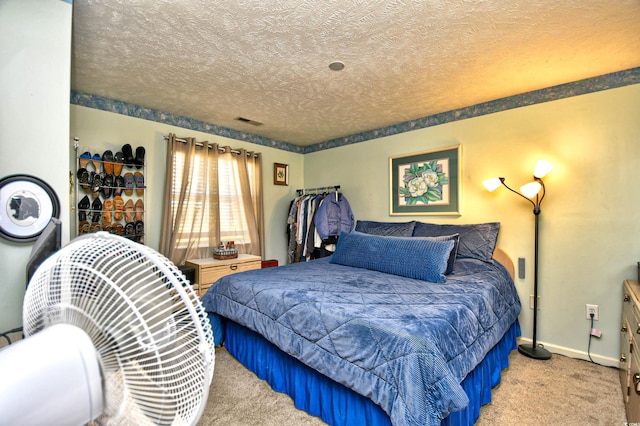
[{"x": 406, "y": 344}]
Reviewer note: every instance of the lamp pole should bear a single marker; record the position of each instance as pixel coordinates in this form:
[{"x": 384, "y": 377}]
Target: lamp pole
[{"x": 533, "y": 350}]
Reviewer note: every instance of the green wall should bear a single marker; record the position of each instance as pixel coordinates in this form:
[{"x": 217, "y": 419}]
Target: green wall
[
  {"x": 35, "y": 65},
  {"x": 590, "y": 221}
]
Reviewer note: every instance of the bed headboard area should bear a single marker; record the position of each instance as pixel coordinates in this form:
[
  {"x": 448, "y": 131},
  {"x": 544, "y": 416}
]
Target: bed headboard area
[{"x": 504, "y": 259}]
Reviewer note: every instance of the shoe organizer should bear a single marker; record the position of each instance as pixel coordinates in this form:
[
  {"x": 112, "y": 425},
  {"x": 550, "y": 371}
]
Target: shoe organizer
[{"x": 110, "y": 192}]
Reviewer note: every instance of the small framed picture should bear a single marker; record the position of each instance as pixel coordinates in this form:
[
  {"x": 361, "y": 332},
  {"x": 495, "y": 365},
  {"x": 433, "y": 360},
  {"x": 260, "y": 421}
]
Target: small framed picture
[
  {"x": 280, "y": 174},
  {"x": 27, "y": 203},
  {"x": 426, "y": 183}
]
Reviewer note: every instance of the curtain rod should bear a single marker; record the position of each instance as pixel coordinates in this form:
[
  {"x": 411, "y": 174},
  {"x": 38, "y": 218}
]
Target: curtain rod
[{"x": 220, "y": 148}]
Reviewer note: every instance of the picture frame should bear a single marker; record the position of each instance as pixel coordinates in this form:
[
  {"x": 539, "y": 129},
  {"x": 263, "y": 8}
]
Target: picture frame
[
  {"x": 27, "y": 204},
  {"x": 280, "y": 174},
  {"x": 426, "y": 182}
]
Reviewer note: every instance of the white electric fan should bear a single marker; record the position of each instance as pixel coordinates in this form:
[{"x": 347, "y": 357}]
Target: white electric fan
[{"x": 115, "y": 335}]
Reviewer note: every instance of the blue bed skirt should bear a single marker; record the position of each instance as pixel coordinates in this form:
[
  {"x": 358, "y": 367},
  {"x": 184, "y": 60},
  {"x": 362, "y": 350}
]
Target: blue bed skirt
[{"x": 334, "y": 403}]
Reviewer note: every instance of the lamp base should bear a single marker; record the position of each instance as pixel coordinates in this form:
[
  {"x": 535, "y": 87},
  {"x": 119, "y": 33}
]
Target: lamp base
[{"x": 534, "y": 352}]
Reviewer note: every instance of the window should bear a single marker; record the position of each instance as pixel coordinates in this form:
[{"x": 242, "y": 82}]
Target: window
[
  {"x": 212, "y": 195},
  {"x": 231, "y": 210}
]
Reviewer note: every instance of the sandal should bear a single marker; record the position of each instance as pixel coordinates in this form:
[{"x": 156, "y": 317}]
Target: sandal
[
  {"x": 139, "y": 182},
  {"x": 119, "y": 162},
  {"x": 139, "y": 160},
  {"x": 96, "y": 182},
  {"x": 128, "y": 211},
  {"x": 118, "y": 186},
  {"x": 118, "y": 204},
  {"x": 107, "y": 186},
  {"x": 95, "y": 227},
  {"x": 139, "y": 230},
  {"x": 128, "y": 183},
  {"x": 139, "y": 210},
  {"x": 83, "y": 177},
  {"x": 129, "y": 230},
  {"x": 83, "y": 206},
  {"x": 128, "y": 155},
  {"x": 118, "y": 229},
  {"x": 97, "y": 162},
  {"x": 85, "y": 157},
  {"x": 96, "y": 208},
  {"x": 83, "y": 227},
  {"x": 106, "y": 211},
  {"x": 107, "y": 158}
]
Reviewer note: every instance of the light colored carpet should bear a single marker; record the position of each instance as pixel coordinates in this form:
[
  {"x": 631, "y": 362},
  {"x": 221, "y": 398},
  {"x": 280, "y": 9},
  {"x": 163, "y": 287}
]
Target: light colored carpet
[{"x": 560, "y": 391}]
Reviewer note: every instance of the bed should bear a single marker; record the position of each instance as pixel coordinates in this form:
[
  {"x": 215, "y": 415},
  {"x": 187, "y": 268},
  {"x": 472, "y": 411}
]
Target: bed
[{"x": 405, "y": 324}]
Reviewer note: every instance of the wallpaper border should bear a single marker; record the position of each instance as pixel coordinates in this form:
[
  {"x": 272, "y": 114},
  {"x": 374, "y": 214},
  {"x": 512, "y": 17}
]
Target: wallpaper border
[
  {"x": 576, "y": 88},
  {"x": 124, "y": 108}
]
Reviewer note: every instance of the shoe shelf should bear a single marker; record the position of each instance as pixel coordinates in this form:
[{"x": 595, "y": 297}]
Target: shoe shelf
[{"x": 110, "y": 192}]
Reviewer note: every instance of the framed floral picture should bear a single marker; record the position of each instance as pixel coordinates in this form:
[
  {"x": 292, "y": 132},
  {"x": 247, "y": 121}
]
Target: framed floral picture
[
  {"x": 426, "y": 183},
  {"x": 280, "y": 174}
]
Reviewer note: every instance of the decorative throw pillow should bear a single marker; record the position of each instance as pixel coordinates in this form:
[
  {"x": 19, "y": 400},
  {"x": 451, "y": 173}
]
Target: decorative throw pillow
[
  {"x": 420, "y": 258},
  {"x": 392, "y": 229},
  {"x": 454, "y": 252},
  {"x": 477, "y": 241}
]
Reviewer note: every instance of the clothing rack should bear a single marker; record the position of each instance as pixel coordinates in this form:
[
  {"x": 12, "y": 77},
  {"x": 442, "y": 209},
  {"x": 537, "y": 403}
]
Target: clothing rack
[
  {"x": 221, "y": 149},
  {"x": 304, "y": 191}
]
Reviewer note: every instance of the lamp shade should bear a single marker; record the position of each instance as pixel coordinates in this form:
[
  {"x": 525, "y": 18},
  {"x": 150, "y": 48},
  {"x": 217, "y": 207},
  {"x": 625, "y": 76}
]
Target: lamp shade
[
  {"x": 542, "y": 168},
  {"x": 530, "y": 189},
  {"x": 492, "y": 184}
]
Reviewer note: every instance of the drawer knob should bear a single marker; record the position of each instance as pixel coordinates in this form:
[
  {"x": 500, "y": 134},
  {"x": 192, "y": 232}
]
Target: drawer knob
[
  {"x": 624, "y": 328},
  {"x": 638, "y": 329},
  {"x": 636, "y": 382},
  {"x": 234, "y": 267},
  {"x": 623, "y": 357},
  {"x": 627, "y": 297}
]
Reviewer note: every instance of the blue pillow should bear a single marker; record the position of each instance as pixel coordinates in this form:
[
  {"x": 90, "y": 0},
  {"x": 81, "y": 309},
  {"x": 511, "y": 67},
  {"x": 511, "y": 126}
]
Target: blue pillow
[
  {"x": 477, "y": 241},
  {"x": 454, "y": 252},
  {"x": 391, "y": 229},
  {"x": 419, "y": 258}
]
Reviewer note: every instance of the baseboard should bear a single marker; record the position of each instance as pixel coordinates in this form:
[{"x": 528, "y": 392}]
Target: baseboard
[{"x": 572, "y": 353}]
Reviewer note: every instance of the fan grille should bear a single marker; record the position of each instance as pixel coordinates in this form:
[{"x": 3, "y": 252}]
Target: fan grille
[{"x": 149, "y": 327}]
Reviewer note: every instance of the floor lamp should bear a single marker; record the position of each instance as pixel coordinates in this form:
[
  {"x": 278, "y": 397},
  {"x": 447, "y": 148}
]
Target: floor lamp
[{"x": 531, "y": 191}]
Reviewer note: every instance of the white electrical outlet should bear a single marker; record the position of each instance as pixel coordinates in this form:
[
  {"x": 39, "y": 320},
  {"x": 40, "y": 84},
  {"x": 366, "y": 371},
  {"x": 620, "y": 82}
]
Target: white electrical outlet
[{"x": 591, "y": 309}]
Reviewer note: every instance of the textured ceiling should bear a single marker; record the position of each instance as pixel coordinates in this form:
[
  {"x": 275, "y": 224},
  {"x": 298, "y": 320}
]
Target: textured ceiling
[{"x": 268, "y": 60}]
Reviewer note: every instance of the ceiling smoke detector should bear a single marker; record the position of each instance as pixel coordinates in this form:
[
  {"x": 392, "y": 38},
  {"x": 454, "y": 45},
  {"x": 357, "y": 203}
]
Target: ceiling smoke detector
[
  {"x": 248, "y": 121},
  {"x": 336, "y": 66}
]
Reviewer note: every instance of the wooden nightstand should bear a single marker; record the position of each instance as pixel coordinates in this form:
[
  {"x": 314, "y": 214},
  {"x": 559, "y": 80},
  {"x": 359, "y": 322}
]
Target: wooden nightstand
[{"x": 210, "y": 270}]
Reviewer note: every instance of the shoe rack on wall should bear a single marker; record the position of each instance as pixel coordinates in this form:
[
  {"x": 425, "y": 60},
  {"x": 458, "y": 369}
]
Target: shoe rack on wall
[{"x": 110, "y": 191}]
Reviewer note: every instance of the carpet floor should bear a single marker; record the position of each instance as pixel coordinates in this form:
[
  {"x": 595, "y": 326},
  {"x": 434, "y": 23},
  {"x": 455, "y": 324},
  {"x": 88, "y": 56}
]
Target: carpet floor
[{"x": 560, "y": 391}]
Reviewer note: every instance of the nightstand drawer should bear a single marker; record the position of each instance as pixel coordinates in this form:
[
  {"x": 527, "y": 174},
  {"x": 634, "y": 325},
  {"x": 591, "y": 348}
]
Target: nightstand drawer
[{"x": 211, "y": 274}]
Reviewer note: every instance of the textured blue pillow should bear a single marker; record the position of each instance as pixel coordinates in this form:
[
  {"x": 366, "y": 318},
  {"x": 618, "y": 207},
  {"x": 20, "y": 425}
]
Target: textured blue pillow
[
  {"x": 420, "y": 258},
  {"x": 391, "y": 229},
  {"x": 454, "y": 252},
  {"x": 477, "y": 241}
]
